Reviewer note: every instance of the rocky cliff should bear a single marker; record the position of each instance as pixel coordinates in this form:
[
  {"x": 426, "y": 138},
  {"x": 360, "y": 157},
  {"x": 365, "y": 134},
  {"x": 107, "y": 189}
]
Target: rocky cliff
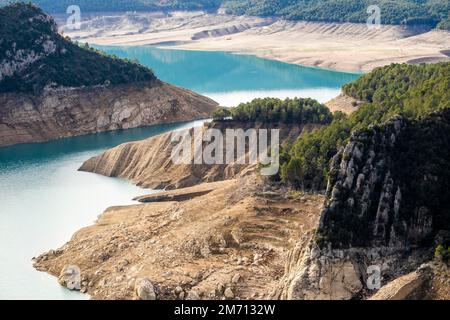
[
  {"x": 68, "y": 112},
  {"x": 387, "y": 199},
  {"x": 52, "y": 88}
]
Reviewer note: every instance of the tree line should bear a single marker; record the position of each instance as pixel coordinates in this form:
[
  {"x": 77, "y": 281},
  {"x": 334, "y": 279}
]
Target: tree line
[
  {"x": 434, "y": 13},
  {"x": 414, "y": 91},
  {"x": 272, "y": 110}
]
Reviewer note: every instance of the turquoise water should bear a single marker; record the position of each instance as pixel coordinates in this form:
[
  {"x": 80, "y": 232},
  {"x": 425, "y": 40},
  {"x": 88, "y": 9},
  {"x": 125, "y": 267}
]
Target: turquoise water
[
  {"x": 231, "y": 79},
  {"x": 44, "y": 199}
]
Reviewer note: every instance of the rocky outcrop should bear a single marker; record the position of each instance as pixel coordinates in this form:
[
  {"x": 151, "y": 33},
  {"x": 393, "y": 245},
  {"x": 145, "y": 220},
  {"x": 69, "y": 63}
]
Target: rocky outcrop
[
  {"x": 70, "y": 278},
  {"x": 148, "y": 163},
  {"x": 145, "y": 290},
  {"x": 387, "y": 199},
  {"x": 66, "y": 112},
  {"x": 408, "y": 287}
]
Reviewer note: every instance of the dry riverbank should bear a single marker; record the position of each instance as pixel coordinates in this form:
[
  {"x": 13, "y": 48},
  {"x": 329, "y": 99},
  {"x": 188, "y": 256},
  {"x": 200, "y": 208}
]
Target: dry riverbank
[
  {"x": 231, "y": 242},
  {"x": 340, "y": 46}
]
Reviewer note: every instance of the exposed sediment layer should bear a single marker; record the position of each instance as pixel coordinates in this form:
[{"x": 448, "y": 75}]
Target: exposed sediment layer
[
  {"x": 231, "y": 243},
  {"x": 148, "y": 163},
  {"x": 59, "y": 113},
  {"x": 340, "y": 46}
]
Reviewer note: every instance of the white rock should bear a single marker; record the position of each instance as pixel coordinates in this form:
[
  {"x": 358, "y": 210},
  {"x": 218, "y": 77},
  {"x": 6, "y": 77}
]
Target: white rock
[
  {"x": 229, "y": 294},
  {"x": 145, "y": 290}
]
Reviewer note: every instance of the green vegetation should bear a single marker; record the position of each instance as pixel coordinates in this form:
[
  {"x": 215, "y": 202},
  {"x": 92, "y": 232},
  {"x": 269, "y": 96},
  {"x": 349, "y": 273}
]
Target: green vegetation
[
  {"x": 60, "y": 6},
  {"x": 413, "y": 91},
  {"x": 411, "y": 12},
  {"x": 442, "y": 253},
  {"x": 272, "y": 110},
  {"x": 26, "y": 32},
  {"x": 221, "y": 114}
]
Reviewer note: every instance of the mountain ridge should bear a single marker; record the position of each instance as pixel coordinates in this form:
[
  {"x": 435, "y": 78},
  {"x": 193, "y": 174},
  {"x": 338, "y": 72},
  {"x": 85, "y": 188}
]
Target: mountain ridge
[{"x": 431, "y": 12}]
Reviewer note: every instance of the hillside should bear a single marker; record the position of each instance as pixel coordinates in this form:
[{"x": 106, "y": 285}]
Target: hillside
[
  {"x": 414, "y": 91},
  {"x": 129, "y": 5},
  {"x": 427, "y": 12},
  {"x": 51, "y": 88},
  {"x": 387, "y": 205},
  {"x": 410, "y": 12},
  {"x": 33, "y": 55}
]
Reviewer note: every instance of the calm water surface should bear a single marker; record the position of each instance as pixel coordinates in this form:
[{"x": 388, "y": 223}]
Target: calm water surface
[
  {"x": 231, "y": 79},
  {"x": 44, "y": 199}
]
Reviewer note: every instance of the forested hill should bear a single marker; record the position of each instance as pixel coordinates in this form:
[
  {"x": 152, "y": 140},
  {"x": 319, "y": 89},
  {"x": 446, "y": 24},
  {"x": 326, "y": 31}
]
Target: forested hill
[
  {"x": 60, "y": 6},
  {"x": 414, "y": 91},
  {"x": 33, "y": 55},
  {"x": 411, "y": 12}
]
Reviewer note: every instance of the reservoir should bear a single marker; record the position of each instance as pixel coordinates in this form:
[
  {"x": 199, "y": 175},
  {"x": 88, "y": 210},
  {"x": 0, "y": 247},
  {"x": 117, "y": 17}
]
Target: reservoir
[{"x": 44, "y": 199}]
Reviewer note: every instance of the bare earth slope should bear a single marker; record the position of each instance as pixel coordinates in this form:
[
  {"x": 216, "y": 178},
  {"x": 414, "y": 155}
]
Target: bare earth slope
[
  {"x": 229, "y": 243},
  {"x": 148, "y": 162},
  {"x": 341, "y": 46},
  {"x": 59, "y": 113}
]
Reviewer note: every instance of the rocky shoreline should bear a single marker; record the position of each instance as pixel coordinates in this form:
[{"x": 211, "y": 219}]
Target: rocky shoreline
[
  {"x": 68, "y": 112},
  {"x": 244, "y": 237},
  {"x": 338, "y": 46},
  {"x": 230, "y": 243}
]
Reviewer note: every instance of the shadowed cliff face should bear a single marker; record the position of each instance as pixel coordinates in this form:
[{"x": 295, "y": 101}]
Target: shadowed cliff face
[
  {"x": 387, "y": 199},
  {"x": 389, "y": 186}
]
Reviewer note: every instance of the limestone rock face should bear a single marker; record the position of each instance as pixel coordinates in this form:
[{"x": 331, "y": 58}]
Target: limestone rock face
[
  {"x": 387, "y": 199},
  {"x": 387, "y": 187},
  {"x": 144, "y": 290},
  {"x": 66, "y": 112}
]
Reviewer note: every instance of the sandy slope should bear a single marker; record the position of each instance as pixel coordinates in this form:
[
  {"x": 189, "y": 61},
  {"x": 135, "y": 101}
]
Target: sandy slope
[
  {"x": 230, "y": 243},
  {"x": 350, "y": 47}
]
